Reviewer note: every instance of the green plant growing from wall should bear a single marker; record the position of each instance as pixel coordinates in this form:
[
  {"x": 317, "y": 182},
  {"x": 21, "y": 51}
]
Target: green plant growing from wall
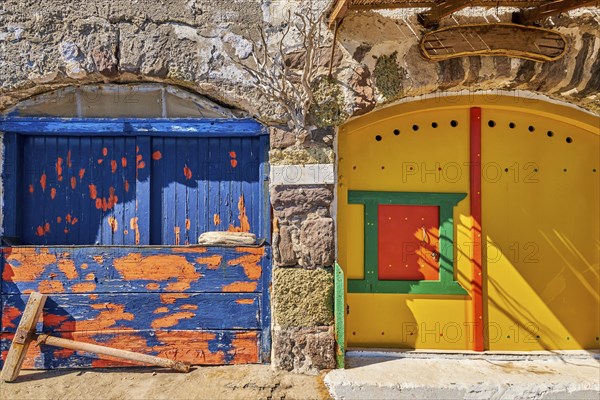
[{"x": 388, "y": 76}]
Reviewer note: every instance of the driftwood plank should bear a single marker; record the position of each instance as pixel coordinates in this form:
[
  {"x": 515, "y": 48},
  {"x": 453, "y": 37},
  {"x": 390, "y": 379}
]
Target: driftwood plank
[{"x": 510, "y": 40}]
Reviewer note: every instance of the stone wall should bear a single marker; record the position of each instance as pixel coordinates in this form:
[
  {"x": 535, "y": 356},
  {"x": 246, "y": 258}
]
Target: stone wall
[{"x": 47, "y": 44}]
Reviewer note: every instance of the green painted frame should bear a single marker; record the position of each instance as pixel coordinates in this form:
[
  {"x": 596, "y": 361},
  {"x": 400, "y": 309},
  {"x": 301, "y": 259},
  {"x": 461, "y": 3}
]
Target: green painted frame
[{"x": 446, "y": 285}]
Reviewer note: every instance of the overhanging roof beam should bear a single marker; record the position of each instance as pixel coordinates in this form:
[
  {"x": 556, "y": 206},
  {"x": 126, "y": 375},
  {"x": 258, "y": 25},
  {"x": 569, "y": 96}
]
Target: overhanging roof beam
[
  {"x": 550, "y": 9},
  {"x": 442, "y": 9}
]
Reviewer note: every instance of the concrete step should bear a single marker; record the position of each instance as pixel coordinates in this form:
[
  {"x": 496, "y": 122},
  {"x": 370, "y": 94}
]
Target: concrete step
[{"x": 467, "y": 375}]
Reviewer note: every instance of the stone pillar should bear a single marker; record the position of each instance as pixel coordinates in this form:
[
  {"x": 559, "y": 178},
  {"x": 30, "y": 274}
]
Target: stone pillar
[{"x": 301, "y": 193}]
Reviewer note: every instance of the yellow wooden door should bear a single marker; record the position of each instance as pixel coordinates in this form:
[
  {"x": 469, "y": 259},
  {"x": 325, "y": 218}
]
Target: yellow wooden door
[{"x": 540, "y": 255}]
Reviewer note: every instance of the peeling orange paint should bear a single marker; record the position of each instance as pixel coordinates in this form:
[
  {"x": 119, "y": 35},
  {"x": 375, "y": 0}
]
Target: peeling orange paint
[
  {"x": 107, "y": 318},
  {"x": 250, "y": 262},
  {"x": 170, "y": 298},
  {"x": 75, "y": 220},
  {"x": 62, "y": 353},
  {"x": 114, "y": 225},
  {"x": 81, "y": 173},
  {"x": 212, "y": 262},
  {"x": 93, "y": 297},
  {"x": 98, "y": 259},
  {"x": 73, "y": 182},
  {"x": 195, "y": 249},
  {"x": 43, "y": 182},
  {"x": 123, "y": 162},
  {"x": 188, "y": 224},
  {"x": 51, "y": 287},
  {"x": 160, "y": 310},
  {"x": 55, "y": 321},
  {"x": 246, "y": 341},
  {"x": 90, "y": 276},
  {"x": 171, "y": 320},
  {"x": 104, "y": 151},
  {"x": 52, "y": 193},
  {"x": 84, "y": 266},
  {"x": 100, "y": 161},
  {"x": 58, "y": 219},
  {"x": 107, "y": 204},
  {"x": 216, "y": 219},
  {"x": 93, "y": 191},
  {"x": 69, "y": 163},
  {"x": 153, "y": 286},
  {"x": 31, "y": 189},
  {"x": 188, "y": 307},
  {"x": 9, "y": 316},
  {"x": 133, "y": 224},
  {"x": 127, "y": 186},
  {"x": 42, "y": 230},
  {"x": 244, "y": 223},
  {"x": 187, "y": 172},
  {"x": 233, "y": 162},
  {"x": 59, "y": 168},
  {"x": 67, "y": 267},
  {"x": 140, "y": 164},
  {"x": 240, "y": 287},
  {"x": 156, "y": 155},
  {"x": 245, "y": 301},
  {"x": 232, "y": 154},
  {"x": 68, "y": 218},
  {"x": 177, "y": 231},
  {"x": 134, "y": 266},
  {"x": 83, "y": 287},
  {"x": 66, "y": 230},
  {"x": 26, "y": 264},
  {"x": 113, "y": 166}
]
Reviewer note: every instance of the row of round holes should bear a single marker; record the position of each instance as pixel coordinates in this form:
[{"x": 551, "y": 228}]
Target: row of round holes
[
  {"x": 508, "y": 337},
  {"x": 531, "y": 128},
  {"x": 415, "y": 128}
]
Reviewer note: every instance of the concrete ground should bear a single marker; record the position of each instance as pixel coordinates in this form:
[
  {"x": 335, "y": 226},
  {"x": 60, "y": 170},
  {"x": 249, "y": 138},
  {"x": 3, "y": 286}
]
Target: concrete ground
[
  {"x": 230, "y": 382},
  {"x": 418, "y": 375}
]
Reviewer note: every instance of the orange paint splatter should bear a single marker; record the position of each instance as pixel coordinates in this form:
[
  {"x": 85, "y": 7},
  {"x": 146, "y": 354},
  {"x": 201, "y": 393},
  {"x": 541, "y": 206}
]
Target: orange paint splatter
[
  {"x": 188, "y": 224},
  {"x": 52, "y": 193},
  {"x": 158, "y": 268},
  {"x": 113, "y": 166},
  {"x": 244, "y": 223},
  {"x": 240, "y": 287},
  {"x": 216, "y": 219},
  {"x": 112, "y": 222},
  {"x": 59, "y": 168},
  {"x": 250, "y": 262},
  {"x": 177, "y": 231},
  {"x": 126, "y": 232},
  {"x": 107, "y": 204},
  {"x": 84, "y": 266},
  {"x": 98, "y": 203},
  {"x": 126, "y": 186},
  {"x": 187, "y": 172},
  {"x": 83, "y": 287},
  {"x": 171, "y": 320},
  {"x": 232, "y": 154},
  {"x": 31, "y": 189},
  {"x": 73, "y": 182},
  {"x": 104, "y": 151},
  {"x": 42, "y": 230},
  {"x": 160, "y": 310},
  {"x": 153, "y": 286},
  {"x": 133, "y": 224},
  {"x": 66, "y": 230},
  {"x": 58, "y": 219},
  {"x": 51, "y": 287},
  {"x": 93, "y": 191},
  {"x": 98, "y": 259},
  {"x": 170, "y": 298},
  {"x": 123, "y": 162},
  {"x": 245, "y": 301},
  {"x": 156, "y": 155},
  {"x": 100, "y": 161},
  {"x": 140, "y": 164},
  {"x": 43, "y": 182},
  {"x": 68, "y": 218},
  {"x": 212, "y": 262},
  {"x": 67, "y": 267},
  {"x": 107, "y": 318},
  {"x": 81, "y": 173},
  {"x": 69, "y": 163},
  {"x": 74, "y": 221},
  {"x": 188, "y": 307},
  {"x": 90, "y": 277},
  {"x": 233, "y": 163}
]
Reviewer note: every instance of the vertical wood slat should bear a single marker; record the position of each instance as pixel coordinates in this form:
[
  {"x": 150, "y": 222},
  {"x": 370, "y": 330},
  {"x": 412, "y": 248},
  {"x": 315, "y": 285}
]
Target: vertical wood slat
[
  {"x": 142, "y": 190},
  {"x": 476, "y": 233},
  {"x": 11, "y": 182}
]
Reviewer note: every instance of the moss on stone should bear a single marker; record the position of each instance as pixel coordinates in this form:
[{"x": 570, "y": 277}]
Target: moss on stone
[
  {"x": 388, "y": 76},
  {"x": 295, "y": 155},
  {"x": 328, "y": 109},
  {"x": 303, "y": 297}
]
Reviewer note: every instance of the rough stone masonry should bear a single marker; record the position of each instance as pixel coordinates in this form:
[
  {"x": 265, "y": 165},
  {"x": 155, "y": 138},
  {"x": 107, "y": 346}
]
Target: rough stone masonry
[{"x": 48, "y": 44}]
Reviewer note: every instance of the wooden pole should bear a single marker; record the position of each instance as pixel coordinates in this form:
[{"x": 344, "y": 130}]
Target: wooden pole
[
  {"x": 108, "y": 351},
  {"x": 23, "y": 337}
]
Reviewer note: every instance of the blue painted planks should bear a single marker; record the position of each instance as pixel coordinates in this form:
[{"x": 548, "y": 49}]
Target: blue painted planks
[
  {"x": 140, "y": 311},
  {"x": 212, "y": 347},
  {"x": 133, "y": 269},
  {"x": 133, "y": 127}
]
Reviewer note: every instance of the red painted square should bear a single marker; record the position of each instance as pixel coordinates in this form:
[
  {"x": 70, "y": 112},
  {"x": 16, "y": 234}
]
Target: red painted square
[{"x": 408, "y": 245}]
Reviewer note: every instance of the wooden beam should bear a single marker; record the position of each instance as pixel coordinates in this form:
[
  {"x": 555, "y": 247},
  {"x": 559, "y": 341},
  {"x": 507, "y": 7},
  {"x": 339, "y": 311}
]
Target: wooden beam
[
  {"x": 431, "y": 17},
  {"x": 339, "y": 12},
  {"x": 550, "y": 9}
]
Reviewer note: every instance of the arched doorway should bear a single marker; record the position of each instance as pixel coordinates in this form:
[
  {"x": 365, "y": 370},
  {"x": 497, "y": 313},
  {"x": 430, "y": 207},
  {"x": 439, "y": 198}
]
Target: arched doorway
[
  {"x": 471, "y": 222},
  {"x": 105, "y": 192}
]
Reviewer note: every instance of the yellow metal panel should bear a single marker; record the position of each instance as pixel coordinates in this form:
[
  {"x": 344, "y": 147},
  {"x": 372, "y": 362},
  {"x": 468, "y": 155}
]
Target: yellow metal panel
[{"x": 541, "y": 223}]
